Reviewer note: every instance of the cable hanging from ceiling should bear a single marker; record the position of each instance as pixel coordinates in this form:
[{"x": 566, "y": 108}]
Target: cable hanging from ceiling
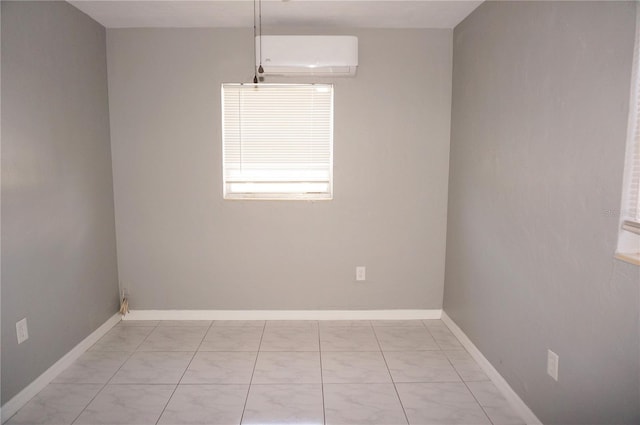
[
  {"x": 257, "y": 65},
  {"x": 255, "y": 75},
  {"x": 260, "y": 68}
]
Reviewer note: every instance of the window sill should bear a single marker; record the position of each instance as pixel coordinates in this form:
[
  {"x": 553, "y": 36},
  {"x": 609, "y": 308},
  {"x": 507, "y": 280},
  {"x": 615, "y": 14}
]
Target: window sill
[{"x": 629, "y": 258}]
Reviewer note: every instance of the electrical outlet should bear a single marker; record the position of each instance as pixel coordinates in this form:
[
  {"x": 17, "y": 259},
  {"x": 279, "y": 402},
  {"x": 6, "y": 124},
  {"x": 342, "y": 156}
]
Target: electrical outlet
[
  {"x": 361, "y": 273},
  {"x": 22, "y": 331},
  {"x": 552, "y": 364}
]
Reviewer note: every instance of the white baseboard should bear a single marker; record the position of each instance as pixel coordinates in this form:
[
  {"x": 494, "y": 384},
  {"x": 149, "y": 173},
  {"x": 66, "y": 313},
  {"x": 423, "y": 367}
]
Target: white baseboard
[
  {"x": 12, "y": 406},
  {"x": 516, "y": 402},
  {"x": 282, "y": 314}
]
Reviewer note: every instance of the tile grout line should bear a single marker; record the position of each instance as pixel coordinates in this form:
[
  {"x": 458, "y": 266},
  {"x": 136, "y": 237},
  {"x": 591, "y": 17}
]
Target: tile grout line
[
  {"x": 185, "y": 371},
  {"x": 434, "y": 338},
  {"x": 476, "y": 399},
  {"x": 135, "y": 350},
  {"x": 393, "y": 382},
  {"x": 459, "y": 375},
  {"x": 246, "y": 399},
  {"x": 114, "y": 373}
]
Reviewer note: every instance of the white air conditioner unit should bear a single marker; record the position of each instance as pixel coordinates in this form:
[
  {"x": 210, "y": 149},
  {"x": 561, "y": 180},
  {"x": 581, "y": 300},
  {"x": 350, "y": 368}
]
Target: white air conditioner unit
[{"x": 304, "y": 55}]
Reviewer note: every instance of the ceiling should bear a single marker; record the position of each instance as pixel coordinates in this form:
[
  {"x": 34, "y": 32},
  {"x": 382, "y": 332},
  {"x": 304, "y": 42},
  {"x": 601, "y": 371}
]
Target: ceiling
[{"x": 281, "y": 13}]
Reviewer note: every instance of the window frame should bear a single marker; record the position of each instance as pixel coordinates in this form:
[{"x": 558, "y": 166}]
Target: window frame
[
  {"x": 325, "y": 178},
  {"x": 628, "y": 248}
]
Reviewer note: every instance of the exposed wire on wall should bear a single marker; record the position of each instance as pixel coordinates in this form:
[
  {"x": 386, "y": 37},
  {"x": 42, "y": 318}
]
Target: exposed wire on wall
[{"x": 124, "y": 300}]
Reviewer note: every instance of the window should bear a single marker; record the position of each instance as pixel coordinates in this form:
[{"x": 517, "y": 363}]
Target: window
[
  {"x": 277, "y": 141},
  {"x": 629, "y": 237}
]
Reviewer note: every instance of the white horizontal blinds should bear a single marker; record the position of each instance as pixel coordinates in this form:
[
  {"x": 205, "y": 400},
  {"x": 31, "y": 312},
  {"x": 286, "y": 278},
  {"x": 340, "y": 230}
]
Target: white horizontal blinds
[
  {"x": 277, "y": 140},
  {"x": 632, "y": 190}
]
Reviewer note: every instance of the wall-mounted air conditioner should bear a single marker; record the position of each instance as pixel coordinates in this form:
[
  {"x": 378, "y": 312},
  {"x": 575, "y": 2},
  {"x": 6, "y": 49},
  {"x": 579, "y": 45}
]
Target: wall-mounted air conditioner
[{"x": 303, "y": 55}]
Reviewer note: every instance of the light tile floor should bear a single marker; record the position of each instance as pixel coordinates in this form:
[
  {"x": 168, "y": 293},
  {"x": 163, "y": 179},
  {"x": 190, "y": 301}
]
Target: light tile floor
[{"x": 277, "y": 372}]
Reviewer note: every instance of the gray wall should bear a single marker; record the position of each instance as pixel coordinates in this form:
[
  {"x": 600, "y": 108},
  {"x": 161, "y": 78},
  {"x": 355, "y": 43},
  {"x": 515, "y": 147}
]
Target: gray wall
[
  {"x": 181, "y": 246},
  {"x": 58, "y": 239},
  {"x": 540, "y": 103}
]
